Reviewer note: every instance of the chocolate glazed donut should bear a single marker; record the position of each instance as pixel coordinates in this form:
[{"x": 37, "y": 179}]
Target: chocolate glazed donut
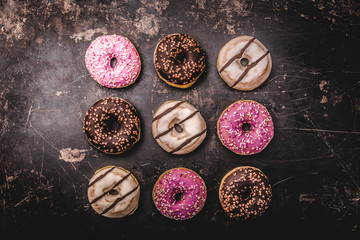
[
  {"x": 245, "y": 193},
  {"x": 179, "y": 60},
  {"x": 112, "y": 125}
]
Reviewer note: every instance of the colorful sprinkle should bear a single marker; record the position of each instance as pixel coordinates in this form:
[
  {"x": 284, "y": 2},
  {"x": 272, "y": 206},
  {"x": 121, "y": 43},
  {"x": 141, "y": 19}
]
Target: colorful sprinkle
[
  {"x": 98, "y": 59},
  {"x": 179, "y": 193},
  {"x": 233, "y": 134}
]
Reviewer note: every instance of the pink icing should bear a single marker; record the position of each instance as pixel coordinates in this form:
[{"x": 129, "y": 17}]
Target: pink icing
[
  {"x": 254, "y": 140},
  {"x": 179, "y": 194},
  {"x": 98, "y": 57}
]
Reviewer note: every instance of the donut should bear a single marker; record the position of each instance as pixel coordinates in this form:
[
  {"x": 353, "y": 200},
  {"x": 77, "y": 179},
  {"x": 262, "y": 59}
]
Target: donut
[
  {"x": 245, "y": 127},
  {"x": 245, "y": 193},
  {"x": 113, "y": 192},
  {"x": 179, "y": 60},
  {"x": 244, "y": 63},
  {"x": 112, "y": 125},
  {"x": 179, "y": 193},
  {"x": 113, "y": 61},
  {"x": 178, "y": 127}
]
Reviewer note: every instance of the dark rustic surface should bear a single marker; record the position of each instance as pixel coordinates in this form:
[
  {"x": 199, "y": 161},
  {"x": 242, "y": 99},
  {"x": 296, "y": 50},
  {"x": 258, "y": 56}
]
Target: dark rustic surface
[{"x": 313, "y": 95}]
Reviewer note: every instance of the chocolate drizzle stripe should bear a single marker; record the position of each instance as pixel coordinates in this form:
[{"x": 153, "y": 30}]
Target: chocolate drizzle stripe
[
  {"x": 187, "y": 141},
  {"x": 167, "y": 111},
  {"x": 182, "y": 121},
  {"x": 239, "y": 55},
  {"x": 118, "y": 200},
  {"x": 250, "y": 66},
  {"x": 101, "y": 176},
  {"x": 106, "y": 192}
]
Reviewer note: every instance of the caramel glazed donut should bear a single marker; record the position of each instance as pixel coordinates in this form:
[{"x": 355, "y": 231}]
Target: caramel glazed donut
[
  {"x": 245, "y": 193},
  {"x": 179, "y": 60},
  {"x": 112, "y": 125},
  {"x": 244, "y": 63},
  {"x": 113, "y": 192},
  {"x": 178, "y": 127}
]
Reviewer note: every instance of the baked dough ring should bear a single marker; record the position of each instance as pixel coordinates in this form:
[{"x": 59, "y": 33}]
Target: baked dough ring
[
  {"x": 245, "y": 193},
  {"x": 244, "y": 63},
  {"x": 99, "y": 58},
  {"x": 179, "y": 193},
  {"x": 113, "y": 192},
  {"x": 178, "y": 127},
  {"x": 245, "y": 127},
  {"x": 179, "y": 60},
  {"x": 112, "y": 125}
]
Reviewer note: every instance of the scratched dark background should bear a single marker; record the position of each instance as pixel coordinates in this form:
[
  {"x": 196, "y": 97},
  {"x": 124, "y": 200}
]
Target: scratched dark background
[{"x": 312, "y": 94}]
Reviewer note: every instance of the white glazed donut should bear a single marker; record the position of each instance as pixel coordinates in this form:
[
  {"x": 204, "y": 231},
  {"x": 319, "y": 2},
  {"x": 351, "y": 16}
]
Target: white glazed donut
[
  {"x": 113, "y": 192},
  {"x": 244, "y": 63},
  {"x": 178, "y": 127}
]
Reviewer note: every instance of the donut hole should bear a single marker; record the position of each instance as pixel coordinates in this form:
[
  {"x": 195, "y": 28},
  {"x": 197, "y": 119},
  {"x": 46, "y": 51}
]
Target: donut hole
[
  {"x": 245, "y": 193},
  {"x": 178, "y": 196},
  {"x": 113, "y": 192},
  {"x": 244, "y": 62},
  {"x": 178, "y": 128},
  {"x": 111, "y": 124},
  {"x": 113, "y": 62},
  {"x": 246, "y": 127},
  {"x": 180, "y": 57}
]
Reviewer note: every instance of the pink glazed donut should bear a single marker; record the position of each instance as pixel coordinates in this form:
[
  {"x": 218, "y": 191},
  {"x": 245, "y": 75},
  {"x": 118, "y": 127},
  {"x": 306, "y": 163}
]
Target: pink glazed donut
[
  {"x": 179, "y": 193},
  {"x": 245, "y": 127},
  {"x": 113, "y": 61}
]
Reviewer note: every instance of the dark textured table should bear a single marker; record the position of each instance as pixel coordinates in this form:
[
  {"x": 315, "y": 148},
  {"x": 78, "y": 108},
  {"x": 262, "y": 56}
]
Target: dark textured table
[{"x": 313, "y": 95}]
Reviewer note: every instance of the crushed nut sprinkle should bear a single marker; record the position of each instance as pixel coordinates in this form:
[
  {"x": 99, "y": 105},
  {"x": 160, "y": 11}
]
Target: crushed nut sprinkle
[
  {"x": 179, "y": 59},
  {"x": 109, "y": 139},
  {"x": 245, "y": 193}
]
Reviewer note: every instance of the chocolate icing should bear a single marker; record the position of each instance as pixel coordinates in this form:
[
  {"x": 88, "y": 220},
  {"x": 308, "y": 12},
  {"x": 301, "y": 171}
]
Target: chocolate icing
[
  {"x": 245, "y": 193},
  {"x": 99, "y": 132},
  {"x": 179, "y": 59}
]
